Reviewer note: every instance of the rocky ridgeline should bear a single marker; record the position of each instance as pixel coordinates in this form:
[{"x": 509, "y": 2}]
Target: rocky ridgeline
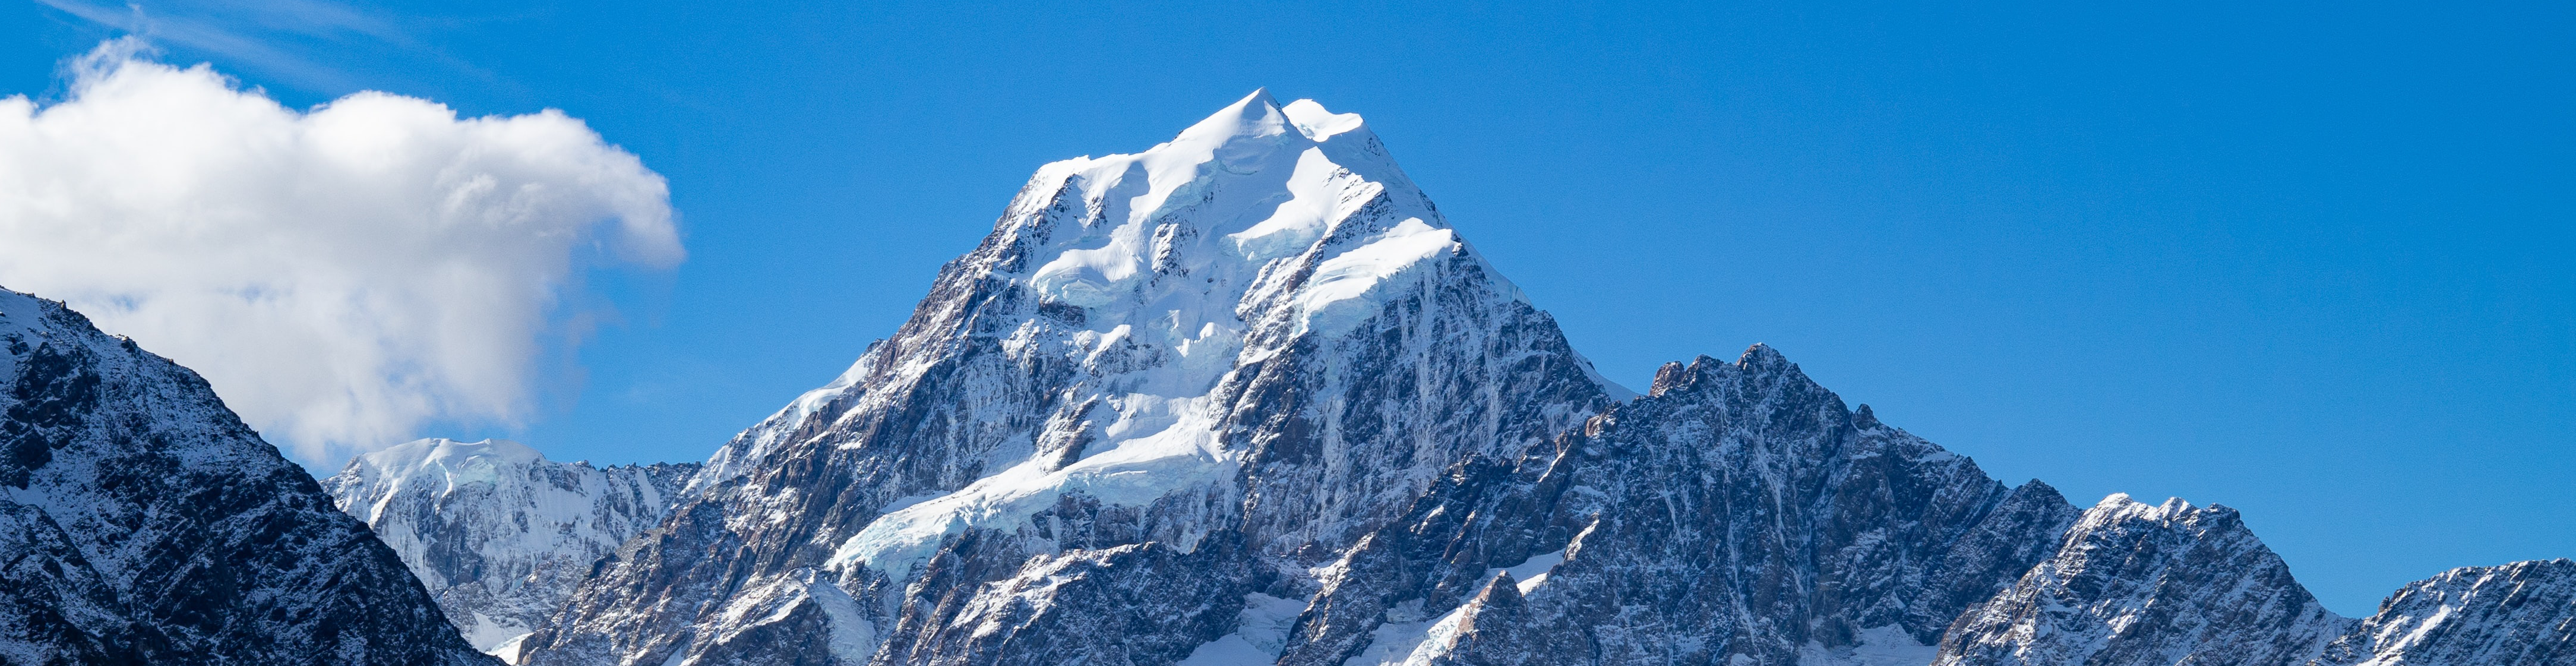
[
  {"x": 2520, "y": 613},
  {"x": 2134, "y": 583},
  {"x": 142, "y": 523}
]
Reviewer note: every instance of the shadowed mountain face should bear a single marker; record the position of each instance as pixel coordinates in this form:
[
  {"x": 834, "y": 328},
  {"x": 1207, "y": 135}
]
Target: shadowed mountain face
[{"x": 142, "y": 523}]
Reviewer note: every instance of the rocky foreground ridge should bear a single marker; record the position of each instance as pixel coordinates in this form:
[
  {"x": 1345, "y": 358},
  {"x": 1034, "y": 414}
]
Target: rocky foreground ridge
[{"x": 142, "y": 523}]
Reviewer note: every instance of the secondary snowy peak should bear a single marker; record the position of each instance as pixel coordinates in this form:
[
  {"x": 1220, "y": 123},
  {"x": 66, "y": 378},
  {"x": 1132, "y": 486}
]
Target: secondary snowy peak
[
  {"x": 2520, "y": 613},
  {"x": 1740, "y": 514},
  {"x": 498, "y": 533},
  {"x": 2136, "y": 583},
  {"x": 142, "y": 523},
  {"x": 1257, "y": 338}
]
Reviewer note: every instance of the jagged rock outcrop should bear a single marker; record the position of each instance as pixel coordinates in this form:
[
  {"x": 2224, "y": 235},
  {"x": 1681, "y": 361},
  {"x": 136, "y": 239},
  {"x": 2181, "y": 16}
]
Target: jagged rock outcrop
[
  {"x": 499, "y": 534},
  {"x": 141, "y": 522},
  {"x": 1737, "y": 514},
  {"x": 2149, "y": 585},
  {"x": 2522, "y": 613}
]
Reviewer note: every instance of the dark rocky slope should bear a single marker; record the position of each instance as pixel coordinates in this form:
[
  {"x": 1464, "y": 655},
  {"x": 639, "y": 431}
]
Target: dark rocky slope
[{"x": 142, "y": 523}]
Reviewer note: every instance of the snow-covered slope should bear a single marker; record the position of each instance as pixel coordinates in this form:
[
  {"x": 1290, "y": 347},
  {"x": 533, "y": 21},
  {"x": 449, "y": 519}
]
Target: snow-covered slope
[
  {"x": 2146, "y": 584},
  {"x": 142, "y": 523},
  {"x": 499, "y": 534},
  {"x": 2522, "y": 613}
]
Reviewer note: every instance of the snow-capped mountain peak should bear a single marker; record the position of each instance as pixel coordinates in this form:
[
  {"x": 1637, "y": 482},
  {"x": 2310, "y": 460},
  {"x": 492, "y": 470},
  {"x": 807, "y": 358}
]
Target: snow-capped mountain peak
[
  {"x": 1253, "y": 228},
  {"x": 1196, "y": 226},
  {"x": 1183, "y": 339}
]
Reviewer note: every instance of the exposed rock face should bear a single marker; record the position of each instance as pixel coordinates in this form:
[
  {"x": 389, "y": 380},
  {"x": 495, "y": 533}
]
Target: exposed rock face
[
  {"x": 500, "y": 535},
  {"x": 1166, "y": 382},
  {"x": 2143, "y": 584},
  {"x": 2522, "y": 613},
  {"x": 1737, "y": 514},
  {"x": 142, "y": 523}
]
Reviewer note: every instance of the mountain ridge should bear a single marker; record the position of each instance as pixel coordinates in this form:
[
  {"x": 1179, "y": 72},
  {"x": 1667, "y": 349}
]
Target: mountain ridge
[{"x": 143, "y": 523}]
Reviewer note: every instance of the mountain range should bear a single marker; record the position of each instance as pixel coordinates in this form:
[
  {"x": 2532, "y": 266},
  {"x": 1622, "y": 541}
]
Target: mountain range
[{"x": 1245, "y": 397}]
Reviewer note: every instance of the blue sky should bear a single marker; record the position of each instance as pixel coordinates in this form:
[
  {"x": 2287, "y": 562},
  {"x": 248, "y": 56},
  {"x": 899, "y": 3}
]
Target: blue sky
[{"x": 2313, "y": 261}]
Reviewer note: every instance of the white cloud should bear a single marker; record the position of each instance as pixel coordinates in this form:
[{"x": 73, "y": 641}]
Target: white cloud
[{"x": 341, "y": 275}]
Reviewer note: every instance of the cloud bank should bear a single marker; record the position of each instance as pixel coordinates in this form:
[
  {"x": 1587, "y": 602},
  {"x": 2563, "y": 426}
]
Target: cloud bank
[{"x": 341, "y": 275}]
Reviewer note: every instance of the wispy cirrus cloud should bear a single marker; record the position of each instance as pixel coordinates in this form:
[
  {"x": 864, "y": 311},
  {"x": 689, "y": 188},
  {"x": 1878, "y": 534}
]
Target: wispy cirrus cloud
[{"x": 302, "y": 42}]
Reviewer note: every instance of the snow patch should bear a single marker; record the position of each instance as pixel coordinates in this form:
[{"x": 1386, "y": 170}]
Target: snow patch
[
  {"x": 508, "y": 650},
  {"x": 1260, "y": 635},
  {"x": 1394, "y": 642},
  {"x": 1318, "y": 124},
  {"x": 1133, "y": 471},
  {"x": 1351, "y": 288},
  {"x": 1531, "y": 572},
  {"x": 1419, "y": 642},
  {"x": 1876, "y": 646}
]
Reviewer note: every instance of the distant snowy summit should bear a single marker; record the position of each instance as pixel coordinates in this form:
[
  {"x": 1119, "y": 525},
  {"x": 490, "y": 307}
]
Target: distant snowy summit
[{"x": 499, "y": 534}]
